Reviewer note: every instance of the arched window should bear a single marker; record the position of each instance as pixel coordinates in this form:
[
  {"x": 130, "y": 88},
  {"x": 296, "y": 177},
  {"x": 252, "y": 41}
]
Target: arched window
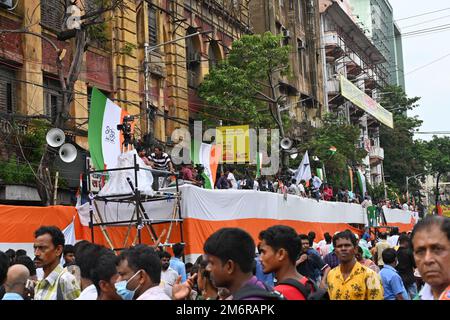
[
  {"x": 214, "y": 55},
  {"x": 193, "y": 58}
]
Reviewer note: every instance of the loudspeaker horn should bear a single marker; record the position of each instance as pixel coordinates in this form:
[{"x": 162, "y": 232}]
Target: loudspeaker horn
[
  {"x": 55, "y": 137},
  {"x": 68, "y": 152},
  {"x": 286, "y": 143}
]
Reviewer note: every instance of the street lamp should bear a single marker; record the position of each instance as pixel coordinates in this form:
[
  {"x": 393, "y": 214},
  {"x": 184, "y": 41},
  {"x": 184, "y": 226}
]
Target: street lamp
[
  {"x": 407, "y": 184},
  {"x": 148, "y": 50}
]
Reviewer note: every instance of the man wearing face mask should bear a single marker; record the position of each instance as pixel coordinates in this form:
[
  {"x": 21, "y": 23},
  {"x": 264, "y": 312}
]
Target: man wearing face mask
[
  {"x": 139, "y": 275},
  {"x": 104, "y": 274}
]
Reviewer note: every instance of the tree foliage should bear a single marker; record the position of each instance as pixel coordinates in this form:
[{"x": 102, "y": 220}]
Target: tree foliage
[
  {"x": 345, "y": 138},
  {"x": 25, "y": 155},
  {"x": 438, "y": 154},
  {"x": 244, "y": 86},
  {"x": 403, "y": 156}
]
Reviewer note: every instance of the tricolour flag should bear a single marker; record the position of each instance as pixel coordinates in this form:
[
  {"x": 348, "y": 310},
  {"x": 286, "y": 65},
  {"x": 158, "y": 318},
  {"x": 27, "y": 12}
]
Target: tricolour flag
[
  {"x": 361, "y": 182},
  {"x": 332, "y": 150},
  {"x": 208, "y": 157},
  {"x": 105, "y": 140},
  {"x": 319, "y": 172}
]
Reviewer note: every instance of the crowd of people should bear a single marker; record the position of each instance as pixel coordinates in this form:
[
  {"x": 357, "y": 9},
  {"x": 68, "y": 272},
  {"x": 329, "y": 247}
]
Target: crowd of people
[
  {"x": 229, "y": 178},
  {"x": 284, "y": 265}
]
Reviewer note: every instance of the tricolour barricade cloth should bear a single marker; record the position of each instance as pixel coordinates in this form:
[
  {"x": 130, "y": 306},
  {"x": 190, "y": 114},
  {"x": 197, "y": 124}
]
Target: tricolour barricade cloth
[{"x": 203, "y": 212}]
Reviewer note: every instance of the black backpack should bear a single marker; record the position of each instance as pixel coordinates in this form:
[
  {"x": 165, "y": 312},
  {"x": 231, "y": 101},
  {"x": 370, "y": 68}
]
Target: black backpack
[
  {"x": 253, "y": 291},
  {"x": 308, "y": 289}
]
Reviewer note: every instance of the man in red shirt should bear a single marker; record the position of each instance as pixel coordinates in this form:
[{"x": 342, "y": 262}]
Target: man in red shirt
[
  {"x": 327, "y": 192},
  {"x": 280, "y": 247}
]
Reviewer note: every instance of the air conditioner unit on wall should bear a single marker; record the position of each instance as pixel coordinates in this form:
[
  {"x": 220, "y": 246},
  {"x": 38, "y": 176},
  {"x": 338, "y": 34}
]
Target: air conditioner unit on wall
[{"x": 6, "y": 3}]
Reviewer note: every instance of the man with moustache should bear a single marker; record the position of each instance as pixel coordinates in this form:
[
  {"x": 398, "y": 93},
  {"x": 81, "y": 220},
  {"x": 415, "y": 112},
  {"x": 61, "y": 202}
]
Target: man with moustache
[
  {"x": 168, "y": 275},
  {"x": 431, "y": 247},
  {"x": 350, "y": 280},
  {"x": 57, "y": 283}
]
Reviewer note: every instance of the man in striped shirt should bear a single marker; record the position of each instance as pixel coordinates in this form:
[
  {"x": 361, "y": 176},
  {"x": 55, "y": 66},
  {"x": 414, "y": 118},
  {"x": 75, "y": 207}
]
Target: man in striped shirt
[
  {"x": 160, "y": 160},
  {"x": 57, "y": 283}
]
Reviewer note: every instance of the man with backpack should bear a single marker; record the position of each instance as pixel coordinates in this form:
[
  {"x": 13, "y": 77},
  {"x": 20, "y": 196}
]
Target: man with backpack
[
  {"x": 230, "y": 255},
  {"x": 280, "y": 247}
]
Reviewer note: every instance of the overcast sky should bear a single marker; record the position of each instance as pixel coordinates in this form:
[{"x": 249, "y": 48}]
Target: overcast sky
[{"x": 432, "y": 83}]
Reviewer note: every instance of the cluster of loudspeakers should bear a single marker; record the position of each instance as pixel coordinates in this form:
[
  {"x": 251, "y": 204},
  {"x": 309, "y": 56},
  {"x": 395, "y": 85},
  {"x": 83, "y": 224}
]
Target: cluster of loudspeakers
[
  {"x": 286, "y": 144},
  {"x": 56, "y": 138}
]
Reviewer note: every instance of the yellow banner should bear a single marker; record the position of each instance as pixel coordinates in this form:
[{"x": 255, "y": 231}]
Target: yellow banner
[
  {"x": 235, "y": 141},
  {"x": 445, "y": 210},
  {"x": 366, "y": 103}
]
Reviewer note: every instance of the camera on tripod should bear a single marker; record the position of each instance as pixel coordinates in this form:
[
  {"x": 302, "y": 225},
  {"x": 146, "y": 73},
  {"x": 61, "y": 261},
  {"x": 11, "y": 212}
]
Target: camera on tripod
[{"x": 125, "y": 127}]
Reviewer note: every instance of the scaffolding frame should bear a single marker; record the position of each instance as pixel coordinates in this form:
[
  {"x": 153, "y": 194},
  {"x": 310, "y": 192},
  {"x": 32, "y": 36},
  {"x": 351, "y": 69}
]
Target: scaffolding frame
[{"x": 140, "y": 217}]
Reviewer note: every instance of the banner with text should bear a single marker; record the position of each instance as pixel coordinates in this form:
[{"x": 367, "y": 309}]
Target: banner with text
[
  {"x": 366, "y": 103},
  {"x": 235, "y": 141}
]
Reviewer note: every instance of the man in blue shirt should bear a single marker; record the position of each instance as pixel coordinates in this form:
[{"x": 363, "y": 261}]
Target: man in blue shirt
[
  {"x": 392, "y": 282},
  {"x": 176, "y": 263},
  {"x": 16, "y": 280}
]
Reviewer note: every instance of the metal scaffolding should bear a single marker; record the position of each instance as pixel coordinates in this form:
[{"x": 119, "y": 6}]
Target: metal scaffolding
[{"x": 140, "y": 219}]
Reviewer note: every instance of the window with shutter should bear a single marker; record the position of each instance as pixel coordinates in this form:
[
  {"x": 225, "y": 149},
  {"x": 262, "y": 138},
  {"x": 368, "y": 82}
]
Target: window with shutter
[
  {"x": 7, "y": 90},
  {"x": 52, "y": 14},
  {"x": 152, "y": 27},
  {"x": 52, "y": 97}
]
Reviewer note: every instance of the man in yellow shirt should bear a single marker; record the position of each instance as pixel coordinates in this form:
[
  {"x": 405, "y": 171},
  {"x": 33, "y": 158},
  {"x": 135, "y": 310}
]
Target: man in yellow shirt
[{"x": 350, "y": 280}]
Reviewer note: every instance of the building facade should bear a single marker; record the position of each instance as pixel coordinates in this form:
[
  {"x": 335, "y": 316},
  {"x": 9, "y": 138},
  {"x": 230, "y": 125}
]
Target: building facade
[
  {"x": 376, "y": 18},
  {"x": 114, "y": 60},
  {"x": 354, "y": 76},
  {"x": 298, "y": 21}
]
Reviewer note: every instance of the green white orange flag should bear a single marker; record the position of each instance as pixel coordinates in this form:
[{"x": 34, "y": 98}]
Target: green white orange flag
[
  {"x": 332, "y": 150},
  {"x": 319, "y": 173},
  {"x": 208, "y": 157},
  {"x": 361, "y": 181},
  {"x": 104, "y": 139}
]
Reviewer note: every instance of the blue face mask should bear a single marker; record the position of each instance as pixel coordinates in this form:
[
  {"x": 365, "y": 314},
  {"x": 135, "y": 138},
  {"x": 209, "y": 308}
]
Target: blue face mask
[{"x": 121, "y": 289}]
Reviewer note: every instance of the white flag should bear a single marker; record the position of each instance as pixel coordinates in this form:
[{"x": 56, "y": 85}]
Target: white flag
[
  {"x": 304, "y": 169},
  {"x": 69, "y": 236}
]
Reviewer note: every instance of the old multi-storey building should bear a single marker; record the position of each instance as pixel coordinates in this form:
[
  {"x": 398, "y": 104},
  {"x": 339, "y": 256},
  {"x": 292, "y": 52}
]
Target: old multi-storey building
[
  {"x": 114, "y": 60},
  {"x": 298, "y": 21},
  {"x": 376, "y": 18},
  {"x": 354, "y": 76},
  {"x": 115, "y": 64}
]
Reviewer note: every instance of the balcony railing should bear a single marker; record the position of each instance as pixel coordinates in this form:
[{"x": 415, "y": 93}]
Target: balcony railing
[
  {"x": 333, "y": 86},
  {"x": 376, "y": 153},
  {"x": 375, "y": 171}
]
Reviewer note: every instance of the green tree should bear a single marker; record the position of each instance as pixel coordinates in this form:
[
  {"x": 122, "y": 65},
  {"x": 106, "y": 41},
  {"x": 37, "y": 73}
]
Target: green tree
[
  {"x": 403, "y": 156},
  {"x": 244, "y": 86},
  {"x": 24, "y": 158},
  {"x": 345, "y": 138},
  {"x": 438, "y": 158}
]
